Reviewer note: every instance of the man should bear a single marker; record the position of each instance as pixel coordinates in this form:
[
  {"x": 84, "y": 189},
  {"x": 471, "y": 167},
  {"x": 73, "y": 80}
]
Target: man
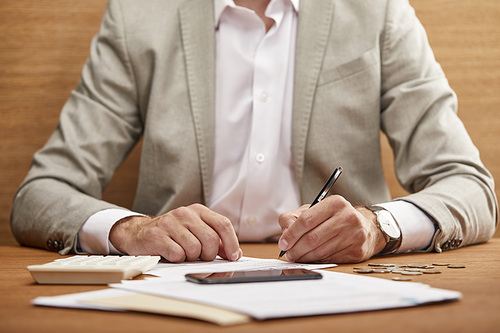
[{"x": 245, "y": 109}]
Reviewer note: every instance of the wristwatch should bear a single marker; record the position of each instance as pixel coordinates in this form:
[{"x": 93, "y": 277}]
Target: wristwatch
[{"x": 389, "y": 227}]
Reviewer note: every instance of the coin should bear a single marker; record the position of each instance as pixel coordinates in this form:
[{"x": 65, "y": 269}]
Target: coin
[
  {"x": 414, "y": 269},
  {"x": 398, "y": 271},
  {"x": 401, "y": 278},
  {"x": 408, "y": 270},
  {"x": 411, "y": 273},
  {"x": 387, "y": 265},
  {"x": 381, "y": 265},
  {"x": 431, "y": 271}
]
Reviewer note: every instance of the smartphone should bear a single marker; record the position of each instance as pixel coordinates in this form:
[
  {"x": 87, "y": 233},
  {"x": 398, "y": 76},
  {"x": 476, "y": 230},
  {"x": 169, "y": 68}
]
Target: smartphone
[{"x": 253, "y": 276}]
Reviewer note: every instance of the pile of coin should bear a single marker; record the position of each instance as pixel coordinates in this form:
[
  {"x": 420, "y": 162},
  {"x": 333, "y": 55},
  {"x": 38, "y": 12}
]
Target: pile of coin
[{"x": 406, "y": 271}]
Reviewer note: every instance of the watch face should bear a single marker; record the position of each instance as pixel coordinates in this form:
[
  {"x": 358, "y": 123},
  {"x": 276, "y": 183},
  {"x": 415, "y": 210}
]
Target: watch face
[{"x": 388, "y": 224}]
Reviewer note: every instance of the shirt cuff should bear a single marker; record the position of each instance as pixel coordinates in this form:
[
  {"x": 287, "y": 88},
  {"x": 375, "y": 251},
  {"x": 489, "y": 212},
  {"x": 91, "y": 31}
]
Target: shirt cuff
[
  {"x": 417, "y": 229},
  {"x": 93, "y": 236}
]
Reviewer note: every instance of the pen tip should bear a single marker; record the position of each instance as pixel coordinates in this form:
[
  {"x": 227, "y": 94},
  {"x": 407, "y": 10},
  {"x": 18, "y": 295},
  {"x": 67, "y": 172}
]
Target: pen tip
[{"x": 282, "y": 253}]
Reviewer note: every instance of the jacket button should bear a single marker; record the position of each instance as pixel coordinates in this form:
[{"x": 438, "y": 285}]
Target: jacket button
[
  {"x": 446, "y": 245},
  {"x": 49, "y": 244},
  {"x": 61, "y": 245}
]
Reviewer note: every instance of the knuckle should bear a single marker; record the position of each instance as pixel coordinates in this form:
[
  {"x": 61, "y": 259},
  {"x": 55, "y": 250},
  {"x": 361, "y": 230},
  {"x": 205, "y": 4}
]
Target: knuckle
[
  {"x": 283, "y": 218},
  {"x": 353, "y": 216},
  {"x": 181, "y": 213},
  {"x": 192, "y": 250},
  {"x": 223, "y": 224},
  {"x": 338, "y": 202},
  {"x": 162, "y": 222},
  {"x": 175, "y": 255},
  {"x": 307, "y": 220},
  {"x": 312, "y": 239},
  {"x": 211, "y": 240},
  {"x": 150, "y": 234},
  {"x": 196, "y": 206}
]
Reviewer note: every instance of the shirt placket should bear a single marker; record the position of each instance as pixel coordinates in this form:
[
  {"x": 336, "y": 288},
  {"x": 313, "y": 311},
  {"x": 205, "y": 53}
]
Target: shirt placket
[{"x": 264, "y": 140}]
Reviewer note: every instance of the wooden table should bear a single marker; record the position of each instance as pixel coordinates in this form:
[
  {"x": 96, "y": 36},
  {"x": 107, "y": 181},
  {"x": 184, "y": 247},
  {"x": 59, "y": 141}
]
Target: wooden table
[{"x": 477, "y": 311}]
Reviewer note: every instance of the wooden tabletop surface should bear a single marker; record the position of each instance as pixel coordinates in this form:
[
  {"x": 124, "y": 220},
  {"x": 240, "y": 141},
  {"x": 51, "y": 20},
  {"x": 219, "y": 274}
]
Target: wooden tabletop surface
[{"x": 476, "y": 312}]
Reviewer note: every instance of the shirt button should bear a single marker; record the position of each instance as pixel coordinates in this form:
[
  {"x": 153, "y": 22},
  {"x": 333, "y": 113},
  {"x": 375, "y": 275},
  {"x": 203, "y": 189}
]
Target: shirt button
[
  {"x": 260, "y": 158},
  {"x": 264, "y": 97},
  {"x": 251, "y": 220}
]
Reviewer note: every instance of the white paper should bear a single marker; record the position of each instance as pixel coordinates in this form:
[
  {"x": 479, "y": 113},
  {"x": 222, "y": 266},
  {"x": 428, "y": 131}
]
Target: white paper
[
  {"x": 176, "y": 271},
  {"x": 74, "y": 300},
  {"x": 172, "y": 272},
  {"x": 335, "y": 293}
]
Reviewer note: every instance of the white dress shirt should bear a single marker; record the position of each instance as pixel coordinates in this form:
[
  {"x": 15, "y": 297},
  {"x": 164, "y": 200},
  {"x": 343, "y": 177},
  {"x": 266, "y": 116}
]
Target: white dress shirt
[{"x": 254, "y": 180}]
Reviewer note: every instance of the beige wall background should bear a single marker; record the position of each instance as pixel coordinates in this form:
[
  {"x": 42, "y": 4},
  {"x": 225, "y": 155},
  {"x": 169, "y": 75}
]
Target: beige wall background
[{"x": 44, "y": 44}]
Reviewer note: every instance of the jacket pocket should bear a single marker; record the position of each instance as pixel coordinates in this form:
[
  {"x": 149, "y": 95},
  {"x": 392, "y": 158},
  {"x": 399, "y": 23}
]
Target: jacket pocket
[{"x": 360, "y": 64}]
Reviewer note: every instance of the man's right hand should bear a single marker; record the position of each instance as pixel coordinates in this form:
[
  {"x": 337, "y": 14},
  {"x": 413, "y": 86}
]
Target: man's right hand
[{"x": 183, "y": 234}]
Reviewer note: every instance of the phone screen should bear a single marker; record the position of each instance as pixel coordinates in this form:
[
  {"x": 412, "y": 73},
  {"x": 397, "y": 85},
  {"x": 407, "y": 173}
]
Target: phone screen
[{"x": 253, "y": 276}]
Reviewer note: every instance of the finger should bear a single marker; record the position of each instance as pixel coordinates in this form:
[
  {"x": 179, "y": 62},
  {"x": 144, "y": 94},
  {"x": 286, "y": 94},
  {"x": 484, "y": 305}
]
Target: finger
[
  {"x": 208, "y": 238},
  {"x": 310, "y": 219},
  {"x": 222, "y": 252},
  {"x": 224, "y": 228},
  {"x": 148, "y": 237},
  {"x": 189, "y": 243},
  {"x": 167, "y": 248},
  {"x": 288, "y": 218},
  {"x": 311, "y": 246},
  {"x": 347, "y": 253},
  {"x": 346, "y": 239},
  {"x": 328, "y": 252}
]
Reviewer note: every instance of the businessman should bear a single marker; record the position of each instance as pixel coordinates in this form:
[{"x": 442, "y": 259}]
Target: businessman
[{"x": 245, "y": 108}]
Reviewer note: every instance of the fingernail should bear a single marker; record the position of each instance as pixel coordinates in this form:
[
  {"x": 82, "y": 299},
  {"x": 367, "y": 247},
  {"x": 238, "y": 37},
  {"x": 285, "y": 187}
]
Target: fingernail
[
  {"x": 283, "y": 244},
  {"x": 236, "y": 255},
  {"x": 287, "y": 256}
]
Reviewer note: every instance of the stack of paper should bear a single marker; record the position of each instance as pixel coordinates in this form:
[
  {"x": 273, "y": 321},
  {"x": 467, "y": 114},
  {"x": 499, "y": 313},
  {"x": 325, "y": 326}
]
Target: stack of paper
[{"x": 229, "y": 304}]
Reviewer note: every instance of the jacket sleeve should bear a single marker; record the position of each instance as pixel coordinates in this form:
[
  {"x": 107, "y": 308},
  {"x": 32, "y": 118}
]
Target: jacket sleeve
[
  {"x": 98, "y": 126},
  {"x": 435, "y": 159}
]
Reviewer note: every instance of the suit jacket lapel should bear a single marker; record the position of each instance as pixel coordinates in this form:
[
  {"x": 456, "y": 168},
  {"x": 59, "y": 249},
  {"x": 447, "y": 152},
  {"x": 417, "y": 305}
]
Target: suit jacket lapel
[
  {"x": 313, "y": 30},
  {"x": 198, "y": 37},
  {"x": 197, "y": 29}
]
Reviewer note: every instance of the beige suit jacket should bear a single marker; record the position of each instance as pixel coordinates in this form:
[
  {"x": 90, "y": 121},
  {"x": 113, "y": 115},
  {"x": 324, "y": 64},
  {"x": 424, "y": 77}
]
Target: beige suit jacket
[{"x": 361, "y": 67}]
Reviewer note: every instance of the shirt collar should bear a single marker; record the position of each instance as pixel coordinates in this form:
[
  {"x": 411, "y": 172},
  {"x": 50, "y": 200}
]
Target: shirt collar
[{"x": 220, "y": 5}]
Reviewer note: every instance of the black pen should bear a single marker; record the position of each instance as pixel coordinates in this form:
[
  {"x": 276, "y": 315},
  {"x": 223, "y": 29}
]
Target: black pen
[{"x": 324, "y": 191}]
